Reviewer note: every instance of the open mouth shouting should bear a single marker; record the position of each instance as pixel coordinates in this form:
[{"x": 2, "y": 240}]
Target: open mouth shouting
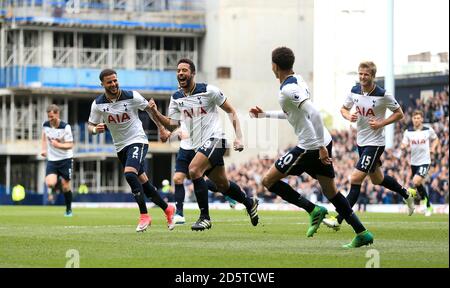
[{"x": 183, "y": 81}]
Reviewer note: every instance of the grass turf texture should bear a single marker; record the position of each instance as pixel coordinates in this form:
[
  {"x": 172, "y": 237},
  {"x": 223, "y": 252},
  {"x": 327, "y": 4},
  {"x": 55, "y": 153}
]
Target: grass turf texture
[{"x": 41, "y": 236}]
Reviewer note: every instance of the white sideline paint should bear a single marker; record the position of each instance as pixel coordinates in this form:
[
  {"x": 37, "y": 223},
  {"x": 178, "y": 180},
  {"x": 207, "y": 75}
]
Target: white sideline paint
[{"x": 379, "y": 208}]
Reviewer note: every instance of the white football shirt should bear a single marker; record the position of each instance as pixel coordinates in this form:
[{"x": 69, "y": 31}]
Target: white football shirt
[
  {"x": 369, "y": 106},
  {"x": 62, "y": 133},
  {"x": 121, "y": 117},
  {"x": 294, "y": 91},
  {"x": 199, "y": 114},
  {"x": 420, "y": 144}
]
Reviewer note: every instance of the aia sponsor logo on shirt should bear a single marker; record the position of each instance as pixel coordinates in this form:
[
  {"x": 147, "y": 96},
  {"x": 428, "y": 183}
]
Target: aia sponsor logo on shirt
[
  {"x": 118, "y": 118},
  {"x": 194, "y": 112},
  {"x": 365, "y": 112},
  {"x": 418, "y": 141}
]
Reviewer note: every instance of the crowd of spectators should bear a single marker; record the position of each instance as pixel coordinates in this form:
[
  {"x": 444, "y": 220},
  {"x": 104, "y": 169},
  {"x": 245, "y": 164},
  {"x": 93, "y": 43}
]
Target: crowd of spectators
[{"x": 395, "y": 163}]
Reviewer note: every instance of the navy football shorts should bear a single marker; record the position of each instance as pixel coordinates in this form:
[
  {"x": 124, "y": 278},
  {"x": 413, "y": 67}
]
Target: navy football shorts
[
  {"x": 297, "y": 161},
  {"x": 133, "y": 156},
  {"x": 61, "y": 168}
]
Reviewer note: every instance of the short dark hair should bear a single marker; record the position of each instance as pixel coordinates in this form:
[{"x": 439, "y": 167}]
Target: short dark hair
[
  {"x": 283, "y": 57},
  {"x": 187, "y": 61},
  {"x": 106, "y": 72}
]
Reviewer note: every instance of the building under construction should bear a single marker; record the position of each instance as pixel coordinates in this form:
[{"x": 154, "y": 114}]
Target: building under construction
[{"x": 52, "y": 53}]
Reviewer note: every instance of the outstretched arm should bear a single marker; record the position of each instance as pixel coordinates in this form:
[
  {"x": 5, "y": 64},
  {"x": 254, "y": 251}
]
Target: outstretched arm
[
  {"x": 256, "y": 112},
  {"x": 232, "y": 115},
  {"x": 164, "y": 134},
  {"x": 160, "y": 120}
]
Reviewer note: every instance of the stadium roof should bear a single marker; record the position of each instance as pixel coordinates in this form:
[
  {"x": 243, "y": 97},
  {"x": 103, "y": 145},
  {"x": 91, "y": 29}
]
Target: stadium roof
[
  {"x": 76, "y": 92},
  {"x": 91, "y": 23}
]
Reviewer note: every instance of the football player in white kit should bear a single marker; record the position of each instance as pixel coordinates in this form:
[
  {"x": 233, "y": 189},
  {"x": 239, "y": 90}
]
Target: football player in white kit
[
  {"x": 371, "y": 102},
  {"x": 313, "y": 153},
  {"x": 117, "y": 110},
  {"x": 196, "y": 104},
  {"x": 56, "y": 146},
  {"x": 419, "y": 138}
]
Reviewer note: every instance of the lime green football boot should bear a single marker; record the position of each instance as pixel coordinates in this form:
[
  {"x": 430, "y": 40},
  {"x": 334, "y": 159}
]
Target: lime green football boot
[
  {"x": 315, "y": 218},
  {"x": 410, "y": 201},
  {"x": 362, "y": 239}
]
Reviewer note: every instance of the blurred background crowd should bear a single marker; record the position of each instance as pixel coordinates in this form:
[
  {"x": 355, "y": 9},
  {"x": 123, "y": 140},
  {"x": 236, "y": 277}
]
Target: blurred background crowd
[{"x": 395, "y": 162}]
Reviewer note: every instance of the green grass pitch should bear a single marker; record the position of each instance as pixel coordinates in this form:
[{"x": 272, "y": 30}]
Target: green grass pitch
[{"x": 41, "y": 237}]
